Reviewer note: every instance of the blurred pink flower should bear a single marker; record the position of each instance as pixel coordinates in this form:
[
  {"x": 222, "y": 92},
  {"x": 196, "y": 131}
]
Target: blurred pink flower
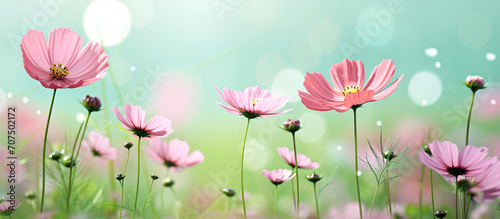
[
  {"x": 278, "y": 176},
  {"x": 447, "y": 161},
  {"x": 303, "y": 160},
  {"x": 351, "y": 211},
  {"x": 46, "y": 215},
  {"x": 157, "y": 127},
  {"x": 486, "y": 187},
  {"x": 348, "y": 78},
  {"x": 99, "y": 146},
  {"x": 174, "y": 154},
  {"x": 61, "y": 64},
  {"x": 253, "y": 102},
  {"x": 4, "y": 206}
]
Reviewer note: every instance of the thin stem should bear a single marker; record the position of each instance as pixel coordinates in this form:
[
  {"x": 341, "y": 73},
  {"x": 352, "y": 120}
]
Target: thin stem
[
  {"x": 147, "y": 196},
  {"x": 456, "y": 197},
  {"x": 122, "y": 182},
  {"x": 275, "y": 199},
  {"x": 468, "y": 204},
  {"x": 70, "y": 181},
  {"x": 388, "y": 191},
  {"x": 241, "y": 171},
  {"x": 356, "y": 162},
  {"x": 468, "y": 120},
  {"x": 296, "y": 170},
  {"x": 227, "y": 207},
  {"x": 373, "y": 200},
  {"x": 293, "y": 194},
  {"x": 138, "y": 173},
  {"x": 45, "y": 149},
  {"x": 432, "y": 193},
  {"x": 421, "y": 188},
  {"x": 316, "y": 198},
  {"x": 464, "y": 202}
]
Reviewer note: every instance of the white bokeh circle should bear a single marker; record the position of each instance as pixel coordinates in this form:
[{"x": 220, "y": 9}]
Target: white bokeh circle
[
  {"x": 288, "y": 82},
  {"x": 314, "y": 128},
  {"x": 425, "y": 88},
  {"x": 107, "y": 22}
]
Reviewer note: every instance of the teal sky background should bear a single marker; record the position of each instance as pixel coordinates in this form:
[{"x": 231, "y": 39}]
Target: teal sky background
[{"x": 166, "y": 56}]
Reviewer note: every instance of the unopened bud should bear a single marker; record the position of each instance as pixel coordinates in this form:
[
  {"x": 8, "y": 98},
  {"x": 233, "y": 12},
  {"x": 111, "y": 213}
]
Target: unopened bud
[
  {"x": 128, "y": 145},
  {"x": 229, "y": 192},
  {"x": 291, "y": 125},
  {"x": 168, "y": 182},
  {"x": 56, "y": 155},
  {"x": 92, "y": 103},
  {"x": 314, "y": 177},
  {"x": 154, "y": 176}
]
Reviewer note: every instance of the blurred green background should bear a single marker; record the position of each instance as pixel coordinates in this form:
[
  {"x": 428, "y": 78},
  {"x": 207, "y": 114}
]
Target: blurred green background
[{"x": 166, "y": 56}]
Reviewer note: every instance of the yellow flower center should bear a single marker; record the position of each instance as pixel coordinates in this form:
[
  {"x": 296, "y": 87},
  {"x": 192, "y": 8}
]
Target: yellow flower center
[
  {"x": 350, "y": 89},
  {"x": 59, "y": 71},
  {"x": 255, "y": 101}
]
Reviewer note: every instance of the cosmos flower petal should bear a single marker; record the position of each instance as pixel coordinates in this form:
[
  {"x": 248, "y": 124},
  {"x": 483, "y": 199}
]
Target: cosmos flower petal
[
  {"x": 348, "y": 73},
  {"x": 64, "y": 46},
  {"x": 358, "y": 98},
  {"x": 381, "y": 75},
  {"x": 388, "y": 91}
]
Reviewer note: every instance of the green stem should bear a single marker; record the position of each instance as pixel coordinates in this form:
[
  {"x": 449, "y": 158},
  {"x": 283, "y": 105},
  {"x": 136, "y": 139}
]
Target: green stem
[
  {"x": 421, "y": 188},
  {"x": 122, "y": 182},
  {"x": 316, "y": 199},
  {"x": 388, "y": 192},
  {"x": 241, "y": 171},
  {"x": 147, "y": 196},
  {"x": 356, "y": 164},
  {"x": 373, "y": 200},
  {"x": 275, "y": 199},
  {"x": 293, "y": 194},
  {"x": 71, "y": 168},
  {"x": 468, "y": 204},
  {"x": 468, "y": 120},
  {"x": 296, "y": 169},
  {"x": 456, "y": 197},
  {"x": 464, "y": 202},
  {"x": 432, "y": 193},
  {"x": 45, "y": 148},
  {"x": 138, "y": 173},
  {"x": 74, "y": 158}
]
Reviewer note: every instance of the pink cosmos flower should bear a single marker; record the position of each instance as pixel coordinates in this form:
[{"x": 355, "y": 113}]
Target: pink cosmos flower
[
  {"x": 100, "y": 147},
  {"x": 278, "y": 176},
  {"x": 174, "y": 154},
  {"x": 447, "y": 161},
  {"x": 486, "y": 187},
  {"x": 157, "y": 127},
  {"x": 303, "y": 160},
  {"x": 4, "y": 206},
  {"x": 253, "y": 102},
  {"x": 348, "y": 78},
  {"x": 61, "y": 64}
]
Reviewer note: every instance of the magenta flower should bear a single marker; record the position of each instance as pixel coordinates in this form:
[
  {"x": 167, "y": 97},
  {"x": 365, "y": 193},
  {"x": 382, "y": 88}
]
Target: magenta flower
[
  {"x": 174, "y": 154},
  {"x": 348, "y": 78},
  {"x": 278, "y": 176},
  {"x": 303, "y": 160},
  {"x": 487, "y": 184},
  {"x": 61, "y": 64},
  {"x": 448, "y": 161},
  {"x": 157, "y": 127},
  {"x": 100, "y": 147},
  {"x": 253, "y": 102}
]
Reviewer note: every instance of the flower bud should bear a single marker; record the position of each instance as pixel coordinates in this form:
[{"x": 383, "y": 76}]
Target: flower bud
[
  {"x": 154, "y": 176},
  {"x": 68, "y": 161},
  {"x": 120, "y": 177},
  {"x": 229, "y": 192},
  {"x": 291, "y": 125},
  {"x": 440, "y": 213},
  {"x": 389, "y": 156},
  {"x": 474, "y": 82},
  {"x": 128, "y": 145},
  {"x": 463, "y": 185},
  {"x": 92, "y": 103},
  {"x": 314, "y": 177},
  {"x": 56, "y": 155},
  {"x": 30, "y": 195},
  {"x": 167, "y": 182},
  {"x": 427, "y": 150}
]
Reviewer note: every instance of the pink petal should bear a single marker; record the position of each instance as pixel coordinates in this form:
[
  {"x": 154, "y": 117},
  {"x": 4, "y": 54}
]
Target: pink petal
[
  {"x": 90, "y": 65},
  {"x": 64, "y": 45},
  {"x": 389, "y": 90},
  {"x": 120, "y": 117},
  {"x": 313, "y": 103},
  {"x": 358, "y": 98},
  {"x": 346, "y": 73},
  {"x": 35, "y": 55},
  {"x": 381, "y": 75}
]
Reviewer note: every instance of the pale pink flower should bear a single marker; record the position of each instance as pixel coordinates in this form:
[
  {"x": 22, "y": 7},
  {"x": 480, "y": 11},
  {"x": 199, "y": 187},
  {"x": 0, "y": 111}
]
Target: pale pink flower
[
  {"x": 253, "y": 102},
  {"x": 99, "y": 146},
  {"x": 348, "y": 78},
  {"x": 157, "y": 127},
  {"x": 278, "y": 176},
  {"x": 4, "y": 206},
  {"x": 174, "y": 154},
  {"x": 61, "y": 64},
  {"x": 486, "y": 187},
  {"x": 447, "y": 161},
  {"x": 303, "y": 160}
]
